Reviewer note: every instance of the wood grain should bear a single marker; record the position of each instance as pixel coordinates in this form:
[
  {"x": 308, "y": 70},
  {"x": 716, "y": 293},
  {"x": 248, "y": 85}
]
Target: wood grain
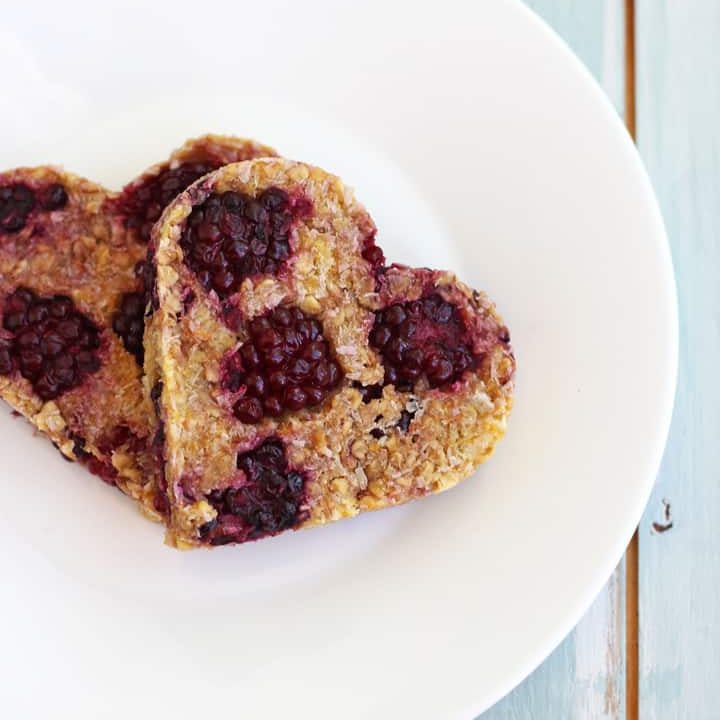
[
  {"x": 585, "y": 676},
  {"x": 632, "y": 629},
  {"x": 632, "y": 555},
  {"x": 678, "y": 133}
]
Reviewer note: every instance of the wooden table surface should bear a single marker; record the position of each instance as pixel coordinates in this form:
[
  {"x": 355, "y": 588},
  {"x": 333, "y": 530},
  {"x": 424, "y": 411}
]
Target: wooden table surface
[{"x": 649, "y": 647}]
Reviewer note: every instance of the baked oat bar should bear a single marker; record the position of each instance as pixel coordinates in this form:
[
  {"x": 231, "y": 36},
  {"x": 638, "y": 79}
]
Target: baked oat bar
[
  {"x": 297, "y": 378},
  {"x": 72, "y": 278}
]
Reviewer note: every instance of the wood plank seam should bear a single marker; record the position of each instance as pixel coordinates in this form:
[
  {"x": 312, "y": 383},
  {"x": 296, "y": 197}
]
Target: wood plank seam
[{"x": 632, "y": 559}]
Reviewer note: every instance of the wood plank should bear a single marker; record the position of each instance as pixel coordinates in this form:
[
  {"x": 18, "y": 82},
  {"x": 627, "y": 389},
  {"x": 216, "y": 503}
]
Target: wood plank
[
  {"x": 678, "y": 116},
  {"x": 632, "y": 629},
  {"x": 632, "y": 554},
  {"x": 585, "y": 676}
]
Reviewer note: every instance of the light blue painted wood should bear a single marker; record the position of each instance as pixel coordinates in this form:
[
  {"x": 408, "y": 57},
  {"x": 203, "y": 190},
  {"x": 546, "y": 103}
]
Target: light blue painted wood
[
  {"x": 595, "y": 31},
  {"x": 678, "y": 106},
  {"x": 585, "y": 677}
]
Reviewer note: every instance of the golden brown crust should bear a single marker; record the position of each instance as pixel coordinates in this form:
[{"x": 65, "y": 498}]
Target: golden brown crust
[
  {"x": 79, "y": 251},
  {"x": 210, "y": 149},
  {"x": 349, "y": 468},
  {"x": 220, "y": 149},
  {"x": 84, "y": 250}
]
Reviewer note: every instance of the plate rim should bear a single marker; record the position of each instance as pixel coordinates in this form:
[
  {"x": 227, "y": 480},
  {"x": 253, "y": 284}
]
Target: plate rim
[
  {"x": 662, "y": 242},
  {"x": 661, "y": 249}
]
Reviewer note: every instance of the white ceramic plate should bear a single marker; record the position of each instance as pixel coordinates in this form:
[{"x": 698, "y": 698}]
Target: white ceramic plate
[{"x": 478, "y": 143}]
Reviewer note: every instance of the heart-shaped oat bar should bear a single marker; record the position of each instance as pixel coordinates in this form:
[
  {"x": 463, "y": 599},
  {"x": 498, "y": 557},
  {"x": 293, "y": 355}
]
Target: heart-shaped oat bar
[
  {"x": 73, "y": 283},
  {"x": 296, "y": 378}
]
